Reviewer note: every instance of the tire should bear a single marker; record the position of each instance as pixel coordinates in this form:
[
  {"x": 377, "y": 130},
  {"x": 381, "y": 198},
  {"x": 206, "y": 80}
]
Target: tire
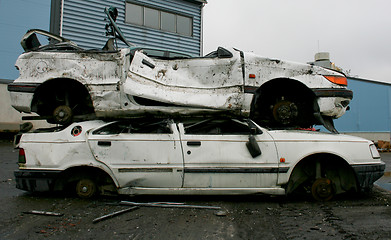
[{"x": 86, "y": 188}]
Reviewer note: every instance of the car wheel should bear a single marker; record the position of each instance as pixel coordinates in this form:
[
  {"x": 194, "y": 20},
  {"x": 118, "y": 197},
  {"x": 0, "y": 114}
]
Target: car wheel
[
  {"x": 86, "y": 188},
  {"x": 322, "y": 189},
  {"x": 63, "y": 115}
]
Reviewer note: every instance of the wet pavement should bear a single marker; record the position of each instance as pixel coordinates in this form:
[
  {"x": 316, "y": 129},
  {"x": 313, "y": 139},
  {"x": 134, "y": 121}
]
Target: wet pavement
[{"x": 385, "y": 181}]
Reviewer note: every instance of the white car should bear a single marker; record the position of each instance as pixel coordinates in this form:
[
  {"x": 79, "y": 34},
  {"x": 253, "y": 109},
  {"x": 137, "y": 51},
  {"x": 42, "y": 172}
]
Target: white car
[
  {"x": 205, "y": 156},
  {"x": 61, "y": 82}
]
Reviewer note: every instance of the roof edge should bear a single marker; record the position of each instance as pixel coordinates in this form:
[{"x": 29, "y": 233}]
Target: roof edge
[
  {"x": 197, "y": 1},
  {"x": 369, "y": 80}
]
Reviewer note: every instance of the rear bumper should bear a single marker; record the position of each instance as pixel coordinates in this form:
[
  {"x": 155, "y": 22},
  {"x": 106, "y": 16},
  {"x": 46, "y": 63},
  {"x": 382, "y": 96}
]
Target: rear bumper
[
  {"x": 36, "y": 180},
  {"x": 23, "y": 87},
  {"x": 22, "y": 95},
  {"x": 368, "y": 174}
]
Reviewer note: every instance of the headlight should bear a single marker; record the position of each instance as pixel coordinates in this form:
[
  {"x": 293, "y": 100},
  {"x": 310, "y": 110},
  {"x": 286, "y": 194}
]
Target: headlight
[{"x": 374, "y": 152}]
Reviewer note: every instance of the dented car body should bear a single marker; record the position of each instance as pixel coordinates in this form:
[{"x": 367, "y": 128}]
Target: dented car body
[
  {"x": 60, "y": 80},
  {"x": 193, "y": 156}
]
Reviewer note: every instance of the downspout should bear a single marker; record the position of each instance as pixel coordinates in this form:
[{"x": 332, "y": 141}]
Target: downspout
[
  {"x": 202, "y": 30},
  {"x": 389, "y": 110},
  {"x": 61, "y": 16},
  {"x": 55, "y": 16}
]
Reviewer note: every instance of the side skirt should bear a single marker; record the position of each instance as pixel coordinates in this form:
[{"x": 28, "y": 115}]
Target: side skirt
[{"x": 200, "y": 191}]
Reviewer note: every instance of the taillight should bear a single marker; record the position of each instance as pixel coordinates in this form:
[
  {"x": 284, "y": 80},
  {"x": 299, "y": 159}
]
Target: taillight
[
  {"x": 22, "y": 156},
  {"x": 340, "y": 80}
]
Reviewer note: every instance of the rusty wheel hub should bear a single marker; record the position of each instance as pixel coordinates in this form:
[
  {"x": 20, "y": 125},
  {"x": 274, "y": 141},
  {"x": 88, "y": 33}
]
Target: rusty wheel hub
[
  {"x": 62, "y": 114},
  {"x": 285, "y": 112},
  {"x": 86, "y": 188},
  {"x": 322, "y": 189}
]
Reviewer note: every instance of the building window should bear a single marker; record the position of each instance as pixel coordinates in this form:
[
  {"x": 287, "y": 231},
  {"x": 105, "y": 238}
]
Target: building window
[{"x": 158, "y": 19}]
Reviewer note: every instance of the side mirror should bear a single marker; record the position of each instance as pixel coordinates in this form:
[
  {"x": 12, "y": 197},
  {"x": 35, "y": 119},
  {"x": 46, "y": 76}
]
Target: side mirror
[
  {"x": 253, "y": 147},
  {"x": 255, "y": 131}
]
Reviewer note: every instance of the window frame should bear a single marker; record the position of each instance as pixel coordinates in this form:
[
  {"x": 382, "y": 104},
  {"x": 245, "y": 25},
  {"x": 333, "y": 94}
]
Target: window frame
[{"x": 160, "y": 11}]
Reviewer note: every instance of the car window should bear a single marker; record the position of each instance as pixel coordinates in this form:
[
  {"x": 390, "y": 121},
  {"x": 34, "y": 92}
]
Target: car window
[
  {"x": 217, "y": 127},
  {"x": 134, "y": 127},
  {"x": 162, "y": 54}
]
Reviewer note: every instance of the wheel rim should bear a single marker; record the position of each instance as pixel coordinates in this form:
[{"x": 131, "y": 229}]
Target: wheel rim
[
  {"x": 86, "y": 188},
  {"x": 285, "y": 112},
  {"x": 322, "y": 189},
  {"x": 62, "y": 114}
]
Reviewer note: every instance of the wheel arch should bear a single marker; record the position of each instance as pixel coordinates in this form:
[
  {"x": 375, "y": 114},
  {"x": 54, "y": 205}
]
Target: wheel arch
[
  {"x": 48, "y": 88},
  {"x": 284, "y": 84},
  {"x": 333, "y": 166},
  {"x": 71, "y": 175},
  {"x": 274, "y": 90}
]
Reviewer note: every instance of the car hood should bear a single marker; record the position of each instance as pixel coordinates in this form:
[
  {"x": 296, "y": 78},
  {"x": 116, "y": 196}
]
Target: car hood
[
  {"x": 313, "y": 136},
  {"x": 282, "y": 68}
]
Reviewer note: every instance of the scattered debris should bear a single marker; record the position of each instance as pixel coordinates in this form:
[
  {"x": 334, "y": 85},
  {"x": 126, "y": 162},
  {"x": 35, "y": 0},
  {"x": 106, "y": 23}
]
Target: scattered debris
[
  {"x": 96, "y": 220},
  {"x": 44, "y": 213},
  {"x": 221, "y": 213},
  {"x": 170, "y": 205},
  {"x": 383, "y": 146}
]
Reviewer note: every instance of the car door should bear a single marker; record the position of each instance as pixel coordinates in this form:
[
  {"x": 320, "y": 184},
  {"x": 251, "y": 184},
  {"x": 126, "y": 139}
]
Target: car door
[
  {"x": 216, "y": 156},
  {"x": 213, "y": 82},
  {"x": 140, "y": 153}
]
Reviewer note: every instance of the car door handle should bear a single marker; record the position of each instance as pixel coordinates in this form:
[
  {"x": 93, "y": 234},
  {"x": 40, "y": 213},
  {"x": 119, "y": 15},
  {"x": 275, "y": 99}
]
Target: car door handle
[
  {"x": 194, "y": 143},
  {"x": 145, "y": 62},
  {"x": 104, "y": 143}
]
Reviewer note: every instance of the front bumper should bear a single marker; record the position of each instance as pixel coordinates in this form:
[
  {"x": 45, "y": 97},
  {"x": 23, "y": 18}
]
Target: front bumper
[
  {"x": 367, "y": 174},
  {"x": 36, "y": 180},
  {"x": 333, "y": 102}
]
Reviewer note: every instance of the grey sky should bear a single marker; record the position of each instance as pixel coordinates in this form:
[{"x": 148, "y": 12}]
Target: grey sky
[{"x": 357, "y": 33}]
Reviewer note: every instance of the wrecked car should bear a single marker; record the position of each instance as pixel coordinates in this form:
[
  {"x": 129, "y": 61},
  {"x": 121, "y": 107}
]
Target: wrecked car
[
  {"x": 194, "y": 156},
  {"x": 60, "y": 80}
]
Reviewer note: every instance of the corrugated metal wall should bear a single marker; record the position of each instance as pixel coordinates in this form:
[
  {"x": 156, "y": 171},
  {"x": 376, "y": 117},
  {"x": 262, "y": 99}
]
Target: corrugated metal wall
[{"x": 83, "y": 22}]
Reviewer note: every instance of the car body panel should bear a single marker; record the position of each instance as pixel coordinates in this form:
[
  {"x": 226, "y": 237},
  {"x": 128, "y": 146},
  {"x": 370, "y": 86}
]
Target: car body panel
[
  {"x": 137, "y": 159},
  {"x": 229, "y": 162},
  {"x": 195, "y": 82},
  {"x": 293, "y": 145}
]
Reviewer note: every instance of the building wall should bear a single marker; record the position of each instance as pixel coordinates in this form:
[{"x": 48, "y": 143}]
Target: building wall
[
  {"x": 16, "y": 17},
  {"x": 369, "y": 113},
  {"x": 84, "y": 23},
  {"x": 10, "y": 119}
]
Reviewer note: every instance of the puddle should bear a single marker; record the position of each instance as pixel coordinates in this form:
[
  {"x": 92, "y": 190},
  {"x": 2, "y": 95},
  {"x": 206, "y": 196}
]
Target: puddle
[
  {"x": 384, "y": 185},
  {"x": 385, "y": 181}
]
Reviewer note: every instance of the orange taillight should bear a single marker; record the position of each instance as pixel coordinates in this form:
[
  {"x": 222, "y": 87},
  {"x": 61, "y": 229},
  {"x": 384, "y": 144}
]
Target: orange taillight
[{"x": 340, "y": 80}]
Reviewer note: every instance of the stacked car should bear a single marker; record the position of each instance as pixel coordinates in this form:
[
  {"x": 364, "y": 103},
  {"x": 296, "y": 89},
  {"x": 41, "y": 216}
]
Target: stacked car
[{"x": 165, "y": 122}]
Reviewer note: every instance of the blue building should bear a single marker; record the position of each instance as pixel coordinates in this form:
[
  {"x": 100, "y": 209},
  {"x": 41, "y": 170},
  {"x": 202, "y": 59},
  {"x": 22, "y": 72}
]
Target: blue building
[
  {"x": 369, "y": 114},
  {"x": 169, "y": 24}
]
